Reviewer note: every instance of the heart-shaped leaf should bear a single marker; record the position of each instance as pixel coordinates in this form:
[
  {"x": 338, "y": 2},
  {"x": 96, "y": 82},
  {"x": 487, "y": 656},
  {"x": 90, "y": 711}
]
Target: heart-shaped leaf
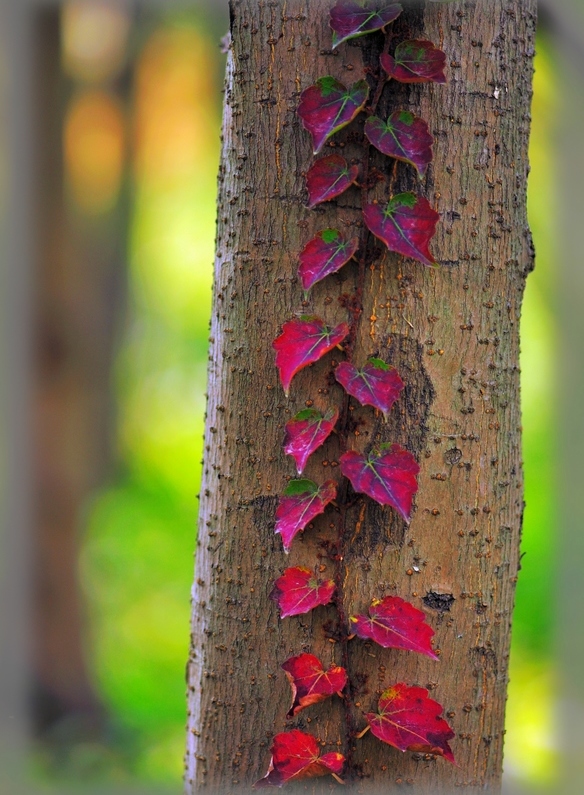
[
  {"x": 388, "y": 476},
  {"x": 328, "y": 178},
  {"x": 328, "y": 106},
  {"x": 326, "y": 253},
  {"x": 415, "y": 62},
  {"x": 409, "y": 720},
  {"x": 296, "y": 755},
  {"x": 377, "y": 384},
  {"x": 403, "y": 136},
  {"x": 309, "y": 681},
  {"x": 406, "y": 225},
  {"x": 306, "y": 432},
  {"x": 351, "y": 18},
  {"x": 300, "y": 503},
  {"x": 304, "y": 340},
  {"x": 299, "y": 590},
  {"x": 395, "y": 624}
]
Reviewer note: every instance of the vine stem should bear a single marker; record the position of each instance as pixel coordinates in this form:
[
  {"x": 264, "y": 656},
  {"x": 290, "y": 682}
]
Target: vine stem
[{"x": 356, "y": 309}]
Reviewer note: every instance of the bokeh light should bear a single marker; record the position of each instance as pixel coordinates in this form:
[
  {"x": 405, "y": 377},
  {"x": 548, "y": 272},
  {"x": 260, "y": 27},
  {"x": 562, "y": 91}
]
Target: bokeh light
[
  {"x": 94, "y": 38},
  {"x": 94, "y": 142}
]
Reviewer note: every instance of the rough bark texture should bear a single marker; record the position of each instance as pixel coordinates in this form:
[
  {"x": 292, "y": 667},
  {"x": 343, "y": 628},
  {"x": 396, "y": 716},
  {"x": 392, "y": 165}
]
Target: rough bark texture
[{"x": 453, "y": 334}]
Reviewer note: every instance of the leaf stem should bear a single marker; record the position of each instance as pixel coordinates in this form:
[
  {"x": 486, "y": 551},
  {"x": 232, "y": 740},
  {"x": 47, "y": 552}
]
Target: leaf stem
[{"x": 344, "y": 503}]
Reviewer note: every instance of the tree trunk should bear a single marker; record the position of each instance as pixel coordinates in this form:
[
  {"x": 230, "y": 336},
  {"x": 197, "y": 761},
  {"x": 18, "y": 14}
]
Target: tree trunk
[{"x": 453, "y": 334}]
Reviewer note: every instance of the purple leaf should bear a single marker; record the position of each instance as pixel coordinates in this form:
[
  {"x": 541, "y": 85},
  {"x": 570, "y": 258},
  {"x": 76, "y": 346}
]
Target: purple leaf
[
  {"x": 328, "y": 106},
  {"x": 377, "y": 384},
  {"x": 304, "y": 340},
  {"x": 406, "y": 225},
  {"x": 415, "y": 62},
  {"x": 296, "y": 756},
  {"x": 328, "y": 178},
  {"x": 326, "y": 253},
  {"x": 351, "y": 18},
  {"x": 395, "y": 624},
  {"x": 310, "y": 682},
  {"x": 306, "y": 432},
  {"x": 407, "y": 719},
  {"x": 302, "y": 501},
  {"x": 403, "y": 136},
  {"x": 388, "y": 476},
  {"x": 299, "y": 591}
]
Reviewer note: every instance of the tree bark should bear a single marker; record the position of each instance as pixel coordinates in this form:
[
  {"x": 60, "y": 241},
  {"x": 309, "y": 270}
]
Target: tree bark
[{"x": 453, "y": 334}]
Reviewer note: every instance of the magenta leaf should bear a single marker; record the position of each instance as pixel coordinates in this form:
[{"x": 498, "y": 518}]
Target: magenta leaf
[
  {"x": 296, "y": 755},
  {"x": 328, "y": 106},
  {"x": 328, "y": 178},
  {"x": 306, "y": 432},
  {"x": 388, "y": 476},
  {"x": 395, "y": 624},
  {"x": 309, "y": 681},
  {"x": 351, "y": 18},
  {"x": 407, "y": 719},
  {"x": 377, "y": 384},
  {"x": 298, "y": 506},
  {"x": 299, "y": 590},
  {"x": 406, "y": 225},
  {"x": 415, "y": 62},
  {"x": 303, "y": 341},
  {"x": 403, "y": 136},
  {"x": 326, "y": 253}
]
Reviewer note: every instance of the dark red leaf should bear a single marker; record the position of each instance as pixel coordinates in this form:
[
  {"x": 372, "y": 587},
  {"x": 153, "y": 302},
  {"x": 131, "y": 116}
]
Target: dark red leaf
[
  {"x": 403, "y": 136},
  {"x": 376, "y": 384},
  {"x": 396, "y": 624},
  {"x": 415, "y": 62},
  {"x": 328, "y": 178},
  {"x": 388, "y": 476},
  {"x": 306, "y": 432},
  {"x": 328, "y": 106},
  {"x": 303, "y": 341},
  {"x": 406, "y": 225},
  {"x": 409, "y": 720},
  {"x": 298, "y": 591},
  {"x": 296, "y": 755},
  {"x": 326, "y": 253},
  {"x": 300, "y": 503},
  {"x": 351, "y": 18},
  {"x": 309, "y": 681}
]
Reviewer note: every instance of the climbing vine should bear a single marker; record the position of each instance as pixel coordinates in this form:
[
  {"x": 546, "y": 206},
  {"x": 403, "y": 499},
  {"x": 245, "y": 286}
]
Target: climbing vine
[{"x": 406, "y": 717}]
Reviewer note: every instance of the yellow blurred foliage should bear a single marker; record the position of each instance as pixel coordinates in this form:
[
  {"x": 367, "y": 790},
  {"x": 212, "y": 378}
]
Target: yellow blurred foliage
[{"x": 94, "y": 145}]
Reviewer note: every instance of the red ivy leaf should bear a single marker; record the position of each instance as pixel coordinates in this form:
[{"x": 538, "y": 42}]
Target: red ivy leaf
[
  {"x": 406, "y": 225},
  {"x": 351, "y": 18},
  {"x": 303, "y": 341},
  {"x": 298, "y": 591},
  {"x": 415, "y": 62},
  {"x": 300, "y": 503},
  {"x": 388, "y": 476},
  {"x": 376, "y": 384},
  {"x": 306, "y": 432},
  {"x": 403, "y": 136},
  {"x": 409, "y": 720},
  {"x": 326, "y": 253},
  {"x": 328, "y": 106},
  {"x": 328, "y": 178},
  {"x": 309, "y": 681},
  {"x": 296, "y": 755},
  {"x": 396, "y": 624}
]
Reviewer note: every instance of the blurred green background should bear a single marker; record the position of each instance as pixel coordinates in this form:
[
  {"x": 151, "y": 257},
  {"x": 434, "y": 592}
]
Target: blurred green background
[{"x": 136, "y": 561}]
